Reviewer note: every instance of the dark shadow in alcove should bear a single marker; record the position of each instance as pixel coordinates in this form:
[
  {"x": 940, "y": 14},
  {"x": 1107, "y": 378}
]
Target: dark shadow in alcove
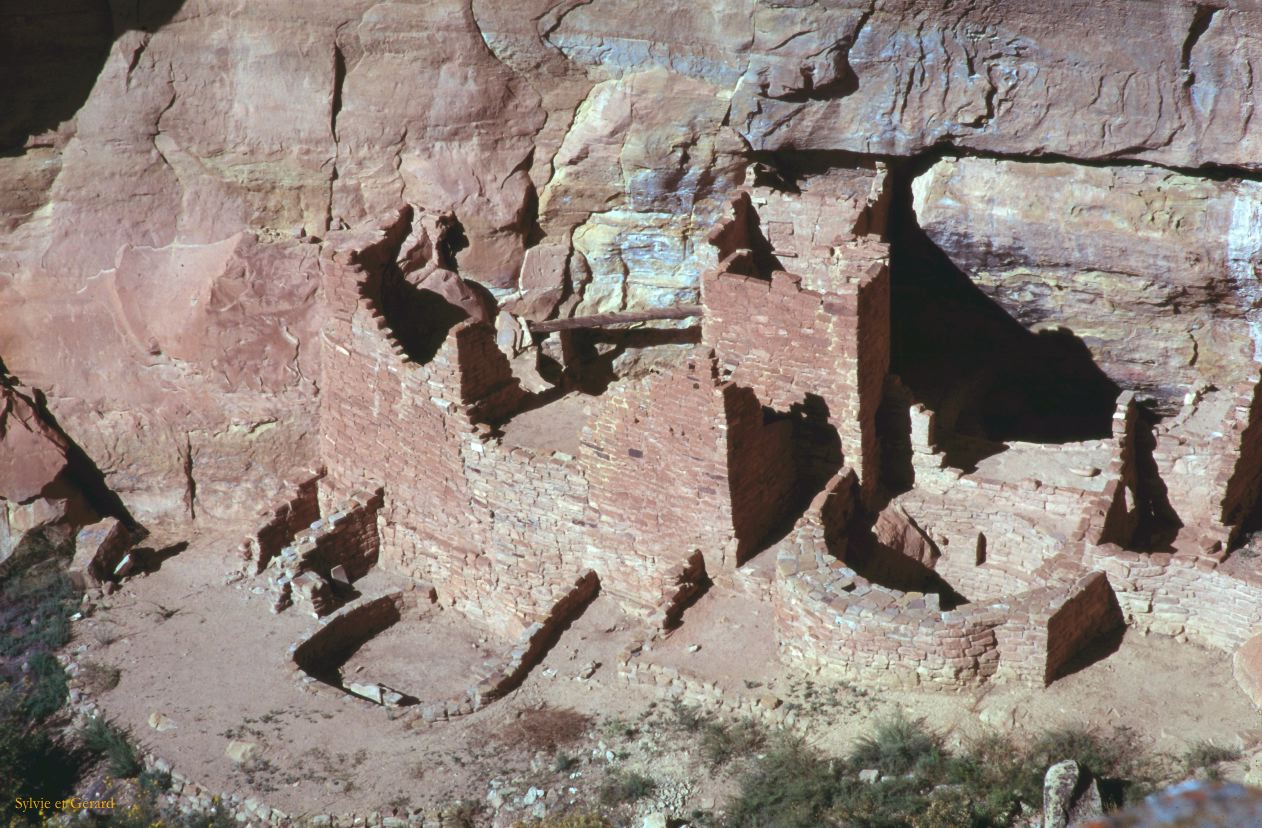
[
  {"x": 596, "y": 350},
  {"x": 893, "y": 428},
  {"x": 965, "y": 357},
  {"x": 817, "y": 458},
  {"x": 418, "y": 320},
  {"x": 889, "y": 567},
  {"x": 1159, "y": 523},
  {"x": 54, "y": 50}
]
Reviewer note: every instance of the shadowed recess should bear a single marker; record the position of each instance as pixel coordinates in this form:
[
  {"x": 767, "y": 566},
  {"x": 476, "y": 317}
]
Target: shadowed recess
[
  {"x": 54, "y": 50},
  {"x": 966, "y": 358}
]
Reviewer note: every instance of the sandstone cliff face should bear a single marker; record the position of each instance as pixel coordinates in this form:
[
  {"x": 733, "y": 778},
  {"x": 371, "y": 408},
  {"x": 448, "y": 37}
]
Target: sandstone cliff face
[
  {"x": 166, "y": 156},
  {"x": 1154, "y": 270},
  {"x": 39, "y": 495},
  {"x": 1166, "y": 82}
]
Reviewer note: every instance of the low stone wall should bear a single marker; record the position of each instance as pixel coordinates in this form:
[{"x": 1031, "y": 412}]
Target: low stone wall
[
  {"x": 671, "y": 683},
  {"x": 536, "y": 640},
  {"x": 193, "y": 799},
  {"x": 321, "y": 652},
  {"x": 347, "y": 540},
  {"x": 1218, "y": 603},
  {"x": 318, "y": 655},
  {"x": 1079, "y": 616},
  {"x": 283, "y": 525},
  {"x": 829, "y": 616}
]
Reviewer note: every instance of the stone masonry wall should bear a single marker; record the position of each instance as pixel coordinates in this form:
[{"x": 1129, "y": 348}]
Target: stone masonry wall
[
  {"x": 996, "y": 534},
  {"x": 1090, "y": 612},
  {"x": 669, "y": 429},
  {"x": 1210, "y": 458},
  {"x": 534, "y": 517},
  {"x": 790, "y": 345},
  {"x": 345, "y": 545},
  {"x": 761, "y": 469},
  {"x": 849, "y": 626},
  {"x": 1185, "y": 594},
  {"x": 1243, "y": 488},
  {"x": 499, "y": 530},
  {"x": 347, "y": 538},
  {"x": 286, "y": 521},
  {"x": 683, "y": 462}
]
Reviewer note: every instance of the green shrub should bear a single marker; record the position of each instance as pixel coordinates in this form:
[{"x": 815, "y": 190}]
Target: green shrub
[
  {"x": 625, "y": 786},
  {"x": 898, "y": 746},
  {"x": 37, "y": 615},
  {"x": 721, "y": 743},
  {"x": 952, "y": 808},
  {"x": 688, "y": 718},
  {"x": 1207, "y": 756},
  {"x": 48, "y": 686},
  {"x": 791, "y": 786},
  {"x": 924, "y": 785},
  {"x": 31, "y": 764},
  {"x": 111, "y": 742}
]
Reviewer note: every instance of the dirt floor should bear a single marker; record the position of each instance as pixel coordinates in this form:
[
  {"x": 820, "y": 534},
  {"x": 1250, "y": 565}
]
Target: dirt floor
[
  {"x": 205, "y": 650},
  {"x": 435, "y": 654},
  {"x": 557, "y": 426},
  {"x": 725, "y": 638}
]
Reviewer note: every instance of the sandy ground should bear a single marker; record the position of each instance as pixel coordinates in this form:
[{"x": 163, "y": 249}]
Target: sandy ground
[
  {"x": 434, "y": 654},
  {"x": 725, "y": 638},
  {"x": 212, "y": 657},
  {"x": 557, "y": 426}
]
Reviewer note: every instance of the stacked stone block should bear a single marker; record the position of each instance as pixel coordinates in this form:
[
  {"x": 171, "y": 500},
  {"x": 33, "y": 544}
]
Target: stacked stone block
[
  {"x": 345, "y": 543},
  {"x": 673, "y": 464},
  {"x": 284, "y": 522},
  {"x": 791, "y": 345}
]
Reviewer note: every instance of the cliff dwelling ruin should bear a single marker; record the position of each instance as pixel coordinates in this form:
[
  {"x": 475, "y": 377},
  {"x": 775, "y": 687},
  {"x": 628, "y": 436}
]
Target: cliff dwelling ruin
[{"x": 370, "y": 368}]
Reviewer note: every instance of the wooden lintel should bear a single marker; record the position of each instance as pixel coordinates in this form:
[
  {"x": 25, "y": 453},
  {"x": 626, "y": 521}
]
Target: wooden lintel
[{"x": 605, "y": 320}]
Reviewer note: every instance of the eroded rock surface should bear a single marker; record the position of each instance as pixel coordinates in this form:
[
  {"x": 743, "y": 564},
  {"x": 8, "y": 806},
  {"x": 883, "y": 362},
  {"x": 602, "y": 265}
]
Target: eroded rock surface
[
  {"x": 161, "y": 180},
  {"x": 1154, "y": 270}
]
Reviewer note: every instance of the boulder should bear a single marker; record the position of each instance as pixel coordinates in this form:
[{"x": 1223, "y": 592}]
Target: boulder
[
  {"x": 36, "y": 492},
  {"x": 1069, "y": 796},
  {"x": 456, "y": 291},
  {"x": 896, "y": 530},
  {"x": 240, "y": 751},
  {"x": 161, "y": 722},
  {"x": 1191, "y": 803},
  {"x": 1117, "y": 232},
  {"x": 1247, "y": 668},
  {"x": 373, "y": 692},
  {"x": 103, "y": 552},
  {"x": 543, "y": 283},
  {"x": 32, "y": 453}
]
